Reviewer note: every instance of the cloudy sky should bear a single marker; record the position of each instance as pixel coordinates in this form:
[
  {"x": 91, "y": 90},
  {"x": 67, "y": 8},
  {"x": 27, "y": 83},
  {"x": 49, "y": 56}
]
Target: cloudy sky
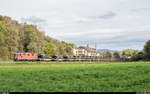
[{"x": 111, "y": 24}]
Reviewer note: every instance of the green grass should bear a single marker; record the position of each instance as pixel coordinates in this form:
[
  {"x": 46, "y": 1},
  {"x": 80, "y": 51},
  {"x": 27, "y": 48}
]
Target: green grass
[{"x": 75, "y": 77}]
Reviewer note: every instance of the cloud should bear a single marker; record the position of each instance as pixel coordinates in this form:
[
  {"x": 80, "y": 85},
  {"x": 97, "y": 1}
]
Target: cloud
[
  {"x": 141, "y": 9},
  {"x": 114, "y": 24},
  {"x": 33, "y": 19},
  {"x": 41, "y": 23},
  {"x": 107, "y": 15},
  {"x": 109, "y": 38}
]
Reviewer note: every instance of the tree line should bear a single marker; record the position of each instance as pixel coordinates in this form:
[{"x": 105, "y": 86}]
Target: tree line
[
  {"x": 132, "y": 55},
  {"x": 22, "y": 37}
]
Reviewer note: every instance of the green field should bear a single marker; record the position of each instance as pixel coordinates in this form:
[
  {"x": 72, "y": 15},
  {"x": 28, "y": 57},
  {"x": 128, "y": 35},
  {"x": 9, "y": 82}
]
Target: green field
[{"x": 75, "y": 77}]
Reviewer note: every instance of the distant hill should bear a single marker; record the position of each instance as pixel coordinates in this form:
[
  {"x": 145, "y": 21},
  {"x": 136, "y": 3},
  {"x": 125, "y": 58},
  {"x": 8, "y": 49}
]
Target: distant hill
[{"x": 112, "y": 51}]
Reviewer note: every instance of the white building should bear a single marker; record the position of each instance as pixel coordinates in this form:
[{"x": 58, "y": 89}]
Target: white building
[{"x": 85, "y": 51}]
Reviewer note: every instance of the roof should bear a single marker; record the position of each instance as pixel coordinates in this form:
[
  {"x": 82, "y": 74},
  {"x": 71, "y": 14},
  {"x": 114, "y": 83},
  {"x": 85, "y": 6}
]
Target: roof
[{"x": 88, "y": 49}]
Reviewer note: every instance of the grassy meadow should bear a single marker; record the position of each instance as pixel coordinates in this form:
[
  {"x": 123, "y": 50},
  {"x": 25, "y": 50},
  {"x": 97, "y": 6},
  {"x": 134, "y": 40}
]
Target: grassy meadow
[{"x": 75, "y": 77}]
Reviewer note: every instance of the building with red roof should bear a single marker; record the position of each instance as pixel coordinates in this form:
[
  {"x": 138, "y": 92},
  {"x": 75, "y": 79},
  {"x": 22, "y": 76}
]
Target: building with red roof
[{"x": 85, "y": 51}]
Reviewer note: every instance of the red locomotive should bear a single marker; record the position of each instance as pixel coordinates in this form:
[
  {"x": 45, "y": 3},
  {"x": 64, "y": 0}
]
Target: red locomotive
[{"x": 25, "y": 57}]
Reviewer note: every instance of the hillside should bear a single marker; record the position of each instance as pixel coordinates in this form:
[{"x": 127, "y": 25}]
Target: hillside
[{"x": 22, "y": 37}]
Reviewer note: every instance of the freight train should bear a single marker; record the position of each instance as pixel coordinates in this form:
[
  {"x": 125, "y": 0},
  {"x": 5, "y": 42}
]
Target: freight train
[{"x": 43, "y": 57}]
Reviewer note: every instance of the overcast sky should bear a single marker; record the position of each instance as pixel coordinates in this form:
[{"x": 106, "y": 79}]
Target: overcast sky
[{"x": 111, "y": 24}]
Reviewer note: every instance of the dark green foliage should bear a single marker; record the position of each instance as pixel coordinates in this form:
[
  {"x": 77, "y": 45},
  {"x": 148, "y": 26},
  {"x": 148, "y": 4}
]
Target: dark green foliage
[
  {"x": 116, "y": 55},
  {"x": 147, "y": 50},
  {"x": 140, "y": 56},
  {"x": 136, "y": 56}
]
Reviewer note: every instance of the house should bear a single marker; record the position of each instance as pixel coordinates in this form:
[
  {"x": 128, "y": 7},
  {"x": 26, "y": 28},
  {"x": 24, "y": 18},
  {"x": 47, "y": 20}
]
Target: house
[{"x": 85, "y": 51}]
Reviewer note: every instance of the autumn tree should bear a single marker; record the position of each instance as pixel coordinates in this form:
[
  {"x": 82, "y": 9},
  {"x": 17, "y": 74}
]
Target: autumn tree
[
  {"x": 135, "y": 55},
  {"x": 50, "y": 49},
  {"x": 3, "y": 41},
  {"x": 69, "y": 50},
  {"x": 127, "y": 52},
  {"x": 107, "y": 54}
]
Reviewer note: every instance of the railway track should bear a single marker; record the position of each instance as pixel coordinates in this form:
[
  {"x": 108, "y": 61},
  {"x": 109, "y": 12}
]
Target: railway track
[
  {"x": 72, "y": 60},
  {"x": 68, "y": 60}
]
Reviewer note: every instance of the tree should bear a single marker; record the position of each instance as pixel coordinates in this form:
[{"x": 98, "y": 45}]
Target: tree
[
  {"x": 140, "y": 56},
  {"x": 32, "y": 47},
  {"x": 3, "y": 32},
  {"x": 34, "y": 40},
  {"x": 69, "y": 50},
  {"x": 3, "y": 27},
  {"x": 135, "y": 55},
  {"x": 107, "y": 54},
  {"x": 4, "y": 53},
  {"x": 50, "y": 49},
  {"x": 116, "y": 55},
  {"x": 147, "y": 50},
  {"x": 73, "y": 45},
  {"x": 127, "y": 52},
  {"x": 61, "y": 51},
  {"x": 2, "y": 39}
]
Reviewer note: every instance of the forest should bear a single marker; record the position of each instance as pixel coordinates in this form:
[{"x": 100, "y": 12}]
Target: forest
[{"x": 22, "y": 37}]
